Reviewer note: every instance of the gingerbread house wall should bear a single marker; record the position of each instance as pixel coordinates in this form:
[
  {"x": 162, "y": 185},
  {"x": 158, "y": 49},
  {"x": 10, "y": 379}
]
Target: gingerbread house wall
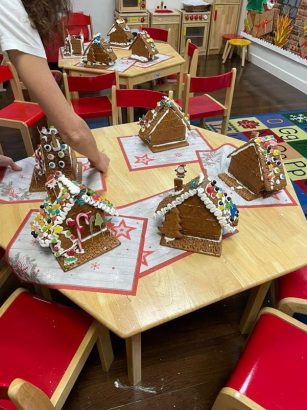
[
  {"x": 245, "y": 167},
  {"x": 170, "y": 129},
  {"x": 196, "y": 220},
  {"x": 119, "y": 36},
  {"x": 139, "y": 48},
  {"x": 73, "y": 213}
]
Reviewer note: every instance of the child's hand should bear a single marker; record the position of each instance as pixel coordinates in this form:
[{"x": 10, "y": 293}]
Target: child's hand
[{"x": 8, "y": 162}]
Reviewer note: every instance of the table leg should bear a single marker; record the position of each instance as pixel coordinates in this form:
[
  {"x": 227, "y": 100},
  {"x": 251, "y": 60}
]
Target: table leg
[
  {"x": 133, "y": 348},
  {"x": 104, "y": 347},
  {"x": 42, "y": 291},
  {"x": 253, "y": 307}
]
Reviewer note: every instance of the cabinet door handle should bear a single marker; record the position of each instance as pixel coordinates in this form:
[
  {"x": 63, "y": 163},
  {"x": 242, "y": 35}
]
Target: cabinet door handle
[{"x": 215, "y": 15}]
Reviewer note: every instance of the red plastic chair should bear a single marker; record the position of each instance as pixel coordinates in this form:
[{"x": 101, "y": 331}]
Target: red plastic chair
[
  {"x": 74, "y": 23},
  {"x": 271, "y": 373},
  {"x": 135, "y": 98},
  {"x": 292, "y": 292},
  {"x": 19, "y": 114},
  {"x": 46, "y": 344},
  {"x": 93, "y": 106},
  {"x": 158, "y": 34},
  {"x": 204, "y": 106}
]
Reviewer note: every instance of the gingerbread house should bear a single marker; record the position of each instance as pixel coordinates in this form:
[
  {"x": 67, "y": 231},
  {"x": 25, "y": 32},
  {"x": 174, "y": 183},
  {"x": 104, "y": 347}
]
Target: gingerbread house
[
  {"x": 166, "y": 127},
  {"x": 99, "y": 52},
  {"x": 72, "y": 222},
  {"x": 196, "y": 215},
  {"x": 143, "y": 47},
  {"x": 74, "y": 45},
  {"x": 256, "y": 169},
  {"x": 120, "y": 34},
  {"x": 53, "y": 155}
]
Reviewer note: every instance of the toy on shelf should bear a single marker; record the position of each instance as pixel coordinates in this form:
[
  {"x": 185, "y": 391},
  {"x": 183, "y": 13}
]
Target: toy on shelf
[
  {"x": 53, "y": 155},
  {"x": 74, "y": 45},
  {"x": 98, "y": 52},
  {"x": 256, "y": 169},
  {"x": 143, "y": 47},
  {"x": 166, "y": 127},
  {"x": 196, "y": 215},
  {"x": 72, "y": 222},
  {"x": 162, "y": 8},
  {"x": 120, "y": 34}
]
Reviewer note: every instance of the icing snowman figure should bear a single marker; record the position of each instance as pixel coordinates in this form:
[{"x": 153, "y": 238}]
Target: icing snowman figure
[{"x": 180, "y": 171}]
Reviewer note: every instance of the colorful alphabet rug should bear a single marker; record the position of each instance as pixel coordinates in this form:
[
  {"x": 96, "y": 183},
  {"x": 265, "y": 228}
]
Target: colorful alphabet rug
[{"x": 289, "y": 129}]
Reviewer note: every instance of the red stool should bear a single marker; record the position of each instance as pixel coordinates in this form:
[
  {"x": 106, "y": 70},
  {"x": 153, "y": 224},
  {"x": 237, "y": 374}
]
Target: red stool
[
  {"x": 227, "y": 37},
  {"x": 44, "y": 343},
  {"x": 292, "y": 292},
  {"x": 271, "y": 373}
]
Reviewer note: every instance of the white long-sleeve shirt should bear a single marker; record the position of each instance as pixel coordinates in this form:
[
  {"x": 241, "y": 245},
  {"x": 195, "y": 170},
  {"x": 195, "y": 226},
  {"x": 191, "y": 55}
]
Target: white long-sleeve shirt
[{"x": 16, "y": 32}]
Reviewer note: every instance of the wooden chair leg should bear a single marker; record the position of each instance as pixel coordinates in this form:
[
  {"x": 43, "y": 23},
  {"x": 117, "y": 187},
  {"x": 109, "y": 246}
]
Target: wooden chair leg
[
  {"x": 225, "y": 51},
  {"x": 27, "y": 141},
  {"x": 243, "y": 56},
  {"x": 253, "y": 307},
  {"x": 5, "y": 272},
  {"x": 202, "y": 123},
  {"x": 134, "y": 362},
  {"x": 229, "y": 49},
  {"x": 104, "y": 346},
  {"x": 1, "y": 150},
  {"x": 224, "y": 127}
]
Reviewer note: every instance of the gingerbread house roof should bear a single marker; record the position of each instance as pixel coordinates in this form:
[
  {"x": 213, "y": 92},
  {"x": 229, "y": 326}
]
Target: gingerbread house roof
[
  {"x": 162, "y": 108},
  {"x": 148, "y": 42},
  {"x": 119, "y": 24},
  {"x": 213, "y": 198},
  {"x": 98, "y": 44},
  {"x": 53, "y": 214},
  {"x": 270, "y": 163}
]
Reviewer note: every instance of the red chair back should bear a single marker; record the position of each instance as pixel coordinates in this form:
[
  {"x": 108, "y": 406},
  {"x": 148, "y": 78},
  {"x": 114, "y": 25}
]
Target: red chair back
[
  {"x": 157, "y": 33},
  {"x": 5, "y": 73},
  {"x": 210, "y": 84},
  {"x": 91, "y": 84},
  {"x": 52, "y": 48},
  {"x": 191, "y": 48},
  {"x": 138, "y": 98},
  {"x": 74, "y": 23}
]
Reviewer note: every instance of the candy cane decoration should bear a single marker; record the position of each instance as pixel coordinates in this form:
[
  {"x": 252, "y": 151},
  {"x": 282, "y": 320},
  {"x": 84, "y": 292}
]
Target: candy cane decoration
[
  {"x": 39, "y": 161},
  {"x": 86, "y": 217}
]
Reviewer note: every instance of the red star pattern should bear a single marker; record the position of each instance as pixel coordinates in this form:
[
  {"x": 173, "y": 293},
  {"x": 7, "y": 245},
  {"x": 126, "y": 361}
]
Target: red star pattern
[
  {"x": 248, "y": 124},
  {"x": 144, "y": 257},
  {"x": 143, "y": 159},
  {"x": 178, "y": 154},
  {"x": 122, "y": 230}
]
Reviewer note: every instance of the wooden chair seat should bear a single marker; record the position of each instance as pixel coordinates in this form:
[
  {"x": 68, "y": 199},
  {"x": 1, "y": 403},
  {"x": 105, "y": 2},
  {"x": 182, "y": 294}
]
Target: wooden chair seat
[
  {"x": 26, "y": 112},
  {"x": 202, "y": 105},
  {"x": 92, "y": 107},
  {"x": 292, "y": 292},
  {"x": 44, "y": 343},
  {"x": 19, "y": 114},
  {"x": 271, "y": 372},
  {"x": 210, "y": 107}
]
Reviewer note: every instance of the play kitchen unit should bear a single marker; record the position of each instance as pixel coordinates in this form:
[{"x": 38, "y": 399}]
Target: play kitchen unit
[{"x": 202, "y": 22}]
